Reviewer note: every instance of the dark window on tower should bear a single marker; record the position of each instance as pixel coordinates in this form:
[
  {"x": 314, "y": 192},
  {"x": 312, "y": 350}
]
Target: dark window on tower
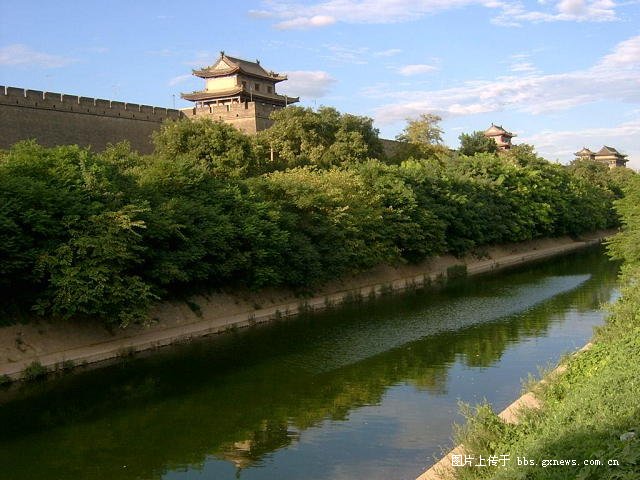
[
  {"x": 244, "y": 84},
  {"x": 257, "y": 85},
  {"x": 270, "y": 89}
]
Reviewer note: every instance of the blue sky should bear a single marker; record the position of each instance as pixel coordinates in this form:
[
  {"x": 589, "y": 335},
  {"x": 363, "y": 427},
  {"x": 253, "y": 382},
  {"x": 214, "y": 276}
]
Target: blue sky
[{"x": 560, "y": 74}]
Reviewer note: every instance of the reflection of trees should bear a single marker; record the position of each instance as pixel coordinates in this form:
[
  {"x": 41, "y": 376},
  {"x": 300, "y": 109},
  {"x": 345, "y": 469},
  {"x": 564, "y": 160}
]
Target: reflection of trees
[{"x": 238, "y": 398}]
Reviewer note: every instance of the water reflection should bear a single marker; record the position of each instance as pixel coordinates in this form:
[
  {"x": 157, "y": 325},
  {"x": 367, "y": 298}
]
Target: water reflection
[{"x": 223, "y": 407}]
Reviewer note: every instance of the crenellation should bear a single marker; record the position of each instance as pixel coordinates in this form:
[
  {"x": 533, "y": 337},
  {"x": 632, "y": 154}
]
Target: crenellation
[
  {"x": 54, "y": 118},
  {"x": 102, "y": 106},
  {"x": 87, "y": 105}
]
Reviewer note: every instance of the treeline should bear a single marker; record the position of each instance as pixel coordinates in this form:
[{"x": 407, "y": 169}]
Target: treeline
[{"x": 106, "y": 234}]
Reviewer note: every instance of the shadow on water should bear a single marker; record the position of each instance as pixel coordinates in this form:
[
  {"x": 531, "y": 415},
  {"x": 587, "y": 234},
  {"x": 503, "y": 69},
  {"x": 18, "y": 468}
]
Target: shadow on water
[{"x": 242, "y": 396}]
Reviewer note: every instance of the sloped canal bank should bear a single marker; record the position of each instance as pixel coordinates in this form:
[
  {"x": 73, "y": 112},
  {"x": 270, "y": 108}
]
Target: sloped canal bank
[{"x": 363, "y": 391}]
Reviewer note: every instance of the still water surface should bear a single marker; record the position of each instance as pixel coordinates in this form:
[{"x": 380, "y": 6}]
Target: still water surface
[{"x": 363, "y": 391}]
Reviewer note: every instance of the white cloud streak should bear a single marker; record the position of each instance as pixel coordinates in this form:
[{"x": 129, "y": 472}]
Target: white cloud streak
[
  {"x": 616, "y": 77},
  {"x": 416, "y": 69},
  {"x": 20, "y": 55},
  {"x": 179, "y": 79},
  {"x": 388, "y": 53},
  {"x": 294, "y": 15}
]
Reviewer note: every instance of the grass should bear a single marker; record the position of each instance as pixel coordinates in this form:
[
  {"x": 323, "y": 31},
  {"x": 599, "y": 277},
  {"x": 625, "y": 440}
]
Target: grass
[
  {"x": 591, "y": 413},
  {"x": 34, "y": 371}
]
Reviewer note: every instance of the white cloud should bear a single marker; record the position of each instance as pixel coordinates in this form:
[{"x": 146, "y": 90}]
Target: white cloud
[
  {"x": 340, "y": 53},
  {"x": 554, "y": 144},
  {"x": 388, "y": 53},
  {"x": 416, "y": 69},
  {"x": 19, "y": 55},
  {"x": 306, "y": 22},
  {"x": 179, "y": 79},
  {"x": 616, "y": 77},
  {"x": 201, "y": 58},
  {"x": 521, "y": 63},
  {"x": 307, "y": 84},
  {"x": 295, "y": 15},
  {"x": 625, "y": 55},
  {"x": 514, "y": 13}
]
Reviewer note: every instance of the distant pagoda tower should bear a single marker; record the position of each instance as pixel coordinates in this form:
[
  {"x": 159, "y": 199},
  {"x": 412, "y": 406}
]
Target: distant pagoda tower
[
  {"x": 611, "y": 157},
  {"x": 585, "y": 154},
  {"x": 238, "y": 92},
  {"x": 500, "y": 136}
]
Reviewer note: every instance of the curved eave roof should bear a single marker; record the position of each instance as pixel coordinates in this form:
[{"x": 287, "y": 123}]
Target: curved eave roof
[
  {"x": 494, "y": 130},
  {"x": 211, "y": 73},
  {"x": 239, "y": 91},
  {"x": 609, "y": 151},
  {"x": 583, "y": 152}
]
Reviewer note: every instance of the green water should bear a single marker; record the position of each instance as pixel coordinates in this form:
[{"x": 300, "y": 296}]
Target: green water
[{"x": 365, "y": 391}]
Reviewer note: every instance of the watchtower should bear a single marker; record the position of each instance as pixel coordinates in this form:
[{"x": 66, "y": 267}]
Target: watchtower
[
  {"x": 500, "y": 136},
  {"x": 239, "y": 92}
]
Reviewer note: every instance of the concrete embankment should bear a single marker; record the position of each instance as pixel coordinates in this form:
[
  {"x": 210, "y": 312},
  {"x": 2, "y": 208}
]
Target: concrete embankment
[
  {"x": 63, "y": 343},
  {"x": 444, "y": 468}
]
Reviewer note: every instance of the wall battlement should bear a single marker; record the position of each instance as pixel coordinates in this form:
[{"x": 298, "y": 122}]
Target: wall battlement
[{"x": 84, "y": 105}]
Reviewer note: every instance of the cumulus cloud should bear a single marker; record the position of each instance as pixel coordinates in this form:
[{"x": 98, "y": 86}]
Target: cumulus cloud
[
  {"x": 308, "y": 84},
  {"x": 19, "y": 55},
  {"x": 416, "y": 69},
  {"x": 615, "y": 77},
  {"x": 295, "y": 15}
]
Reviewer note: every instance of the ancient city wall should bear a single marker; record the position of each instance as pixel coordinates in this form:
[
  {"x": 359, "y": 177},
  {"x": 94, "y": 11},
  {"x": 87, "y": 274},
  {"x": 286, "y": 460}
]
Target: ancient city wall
[
  {"x": 59, "y": 119},
  {"x": 250, "y": 117}
]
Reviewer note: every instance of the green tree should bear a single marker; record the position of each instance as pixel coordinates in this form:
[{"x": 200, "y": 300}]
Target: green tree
[
  {"x": 93, "y": 273},
  {"x": 222, "y": 149},
  {"x": 476, "y": 142},
  {"x": 325, "y": 137},
  {"x": 425, "y": 130}
]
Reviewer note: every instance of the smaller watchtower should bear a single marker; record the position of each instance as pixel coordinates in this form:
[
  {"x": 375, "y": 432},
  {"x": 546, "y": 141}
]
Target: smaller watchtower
[
  {"x": 238, "y": 92},
  {"x": 585, "y": 154},
  {"x": 500, "y": 136}
]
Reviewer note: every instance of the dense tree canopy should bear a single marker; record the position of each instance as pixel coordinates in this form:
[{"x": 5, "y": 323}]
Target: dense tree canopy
[
  {"x": 302, "y": 136},
  {"x": 105, "y": 235}
]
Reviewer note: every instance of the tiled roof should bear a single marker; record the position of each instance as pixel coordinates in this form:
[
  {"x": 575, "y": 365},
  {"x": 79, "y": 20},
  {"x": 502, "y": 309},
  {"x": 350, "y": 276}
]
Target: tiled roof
[
  {"x": 608, "y": 151},
  {"x": 237, "y": 65},
  {"x": 585, "y": 151},
  {"x": 497, "y": 130}
]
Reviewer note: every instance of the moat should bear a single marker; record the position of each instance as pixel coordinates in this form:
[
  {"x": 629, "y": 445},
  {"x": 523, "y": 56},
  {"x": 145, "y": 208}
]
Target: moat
[{"x": 366, "y": 390}]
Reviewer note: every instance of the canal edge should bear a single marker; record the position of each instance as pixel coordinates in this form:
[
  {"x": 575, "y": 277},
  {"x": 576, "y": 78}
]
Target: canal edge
[
  {"x": 153, "y": 339},
  {"x": 443, "y": 469}
]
